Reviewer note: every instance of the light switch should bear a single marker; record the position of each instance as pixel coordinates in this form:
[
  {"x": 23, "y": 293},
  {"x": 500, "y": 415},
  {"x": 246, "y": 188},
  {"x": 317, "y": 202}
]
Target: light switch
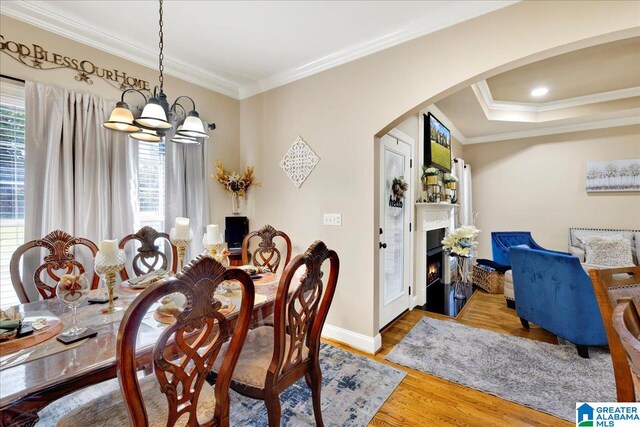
[{"x": 332, "y": 219}]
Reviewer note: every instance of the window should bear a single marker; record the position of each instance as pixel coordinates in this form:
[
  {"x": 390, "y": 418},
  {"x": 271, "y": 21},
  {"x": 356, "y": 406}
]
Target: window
[
  {"x": 151, "y": 184},
  {"x": 11, "y": 183}
]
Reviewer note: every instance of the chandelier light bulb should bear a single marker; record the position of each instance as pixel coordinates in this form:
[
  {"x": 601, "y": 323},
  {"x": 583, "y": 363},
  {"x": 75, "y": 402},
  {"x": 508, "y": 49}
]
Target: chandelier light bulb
[
  {"x": 153, "y": 116},
  {"x": 192, "y": 127},
  {"x": 146, "y": 135},
  {"x": 121, "y": 119}
]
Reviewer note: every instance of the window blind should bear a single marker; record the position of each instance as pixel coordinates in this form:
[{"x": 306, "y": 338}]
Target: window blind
[
  {"x": 151, "y": 194},
  {"x": 12, "y": 123}
]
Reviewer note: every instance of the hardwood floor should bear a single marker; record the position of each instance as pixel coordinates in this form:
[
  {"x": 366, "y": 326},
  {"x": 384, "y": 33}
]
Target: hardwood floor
[{"x": 425, "y": 400}]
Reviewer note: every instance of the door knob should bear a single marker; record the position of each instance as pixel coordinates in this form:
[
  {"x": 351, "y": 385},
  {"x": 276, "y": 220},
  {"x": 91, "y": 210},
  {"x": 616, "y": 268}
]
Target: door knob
[{"x": 383, "y": 245}]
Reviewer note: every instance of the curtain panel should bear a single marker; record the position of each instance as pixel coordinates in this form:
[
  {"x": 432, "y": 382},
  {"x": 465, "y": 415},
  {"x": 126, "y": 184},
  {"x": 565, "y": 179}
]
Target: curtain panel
[
  {"x": 78, "y": 177},
  {"x": 186, "y": 192},
  {"x": 464, "y": 213}
]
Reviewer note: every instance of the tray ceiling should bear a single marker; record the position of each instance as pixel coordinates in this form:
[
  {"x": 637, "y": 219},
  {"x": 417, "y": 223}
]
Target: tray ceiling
[{"x": 591, "y": 88}]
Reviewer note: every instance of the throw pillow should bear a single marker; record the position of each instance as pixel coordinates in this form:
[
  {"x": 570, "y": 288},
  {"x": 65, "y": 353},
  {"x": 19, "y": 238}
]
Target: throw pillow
[{"x": 608, "y": 251}]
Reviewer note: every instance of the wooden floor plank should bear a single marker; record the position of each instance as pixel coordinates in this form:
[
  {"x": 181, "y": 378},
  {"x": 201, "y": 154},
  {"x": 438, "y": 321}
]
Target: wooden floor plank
[{"x": 425, "y": 400}]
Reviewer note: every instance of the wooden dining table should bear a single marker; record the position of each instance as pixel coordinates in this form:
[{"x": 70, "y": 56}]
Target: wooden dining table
[{"x": 34, "y": 377}]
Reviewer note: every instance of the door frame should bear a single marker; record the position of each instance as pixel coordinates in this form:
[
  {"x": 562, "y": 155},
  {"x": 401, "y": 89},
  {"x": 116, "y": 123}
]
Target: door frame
[{"x": 399, "y": 135}]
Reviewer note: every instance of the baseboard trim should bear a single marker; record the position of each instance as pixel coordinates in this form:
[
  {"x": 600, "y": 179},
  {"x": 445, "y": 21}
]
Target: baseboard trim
[{"x": 353, "y": 339}]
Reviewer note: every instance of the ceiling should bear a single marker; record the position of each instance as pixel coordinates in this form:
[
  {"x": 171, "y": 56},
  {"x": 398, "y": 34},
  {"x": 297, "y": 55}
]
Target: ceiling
[
  {"x": 591, "y": 88},
  {"x": 242, "y": 48}
]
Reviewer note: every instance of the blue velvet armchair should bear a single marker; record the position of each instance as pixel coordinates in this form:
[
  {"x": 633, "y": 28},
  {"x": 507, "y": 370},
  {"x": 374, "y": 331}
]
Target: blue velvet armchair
[
  {"x": 502, "y": 241},
  {"x": 553, "y": 291}
]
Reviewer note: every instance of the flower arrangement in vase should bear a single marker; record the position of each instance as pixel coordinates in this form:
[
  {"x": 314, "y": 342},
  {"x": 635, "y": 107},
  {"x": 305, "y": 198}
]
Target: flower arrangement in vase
[
  {"x": 236, "y": 185},
  {"x": 450, "y": 187},
  {"x": 460, "y": 243},
  {"x": 430, "y": 184}
]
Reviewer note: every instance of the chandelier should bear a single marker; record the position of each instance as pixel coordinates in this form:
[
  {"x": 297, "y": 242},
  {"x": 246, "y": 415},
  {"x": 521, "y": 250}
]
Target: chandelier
[{"x": 153, "y": 124}]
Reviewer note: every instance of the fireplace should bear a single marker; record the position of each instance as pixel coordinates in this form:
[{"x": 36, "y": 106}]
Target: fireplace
[{"x": 435, "y": 270}]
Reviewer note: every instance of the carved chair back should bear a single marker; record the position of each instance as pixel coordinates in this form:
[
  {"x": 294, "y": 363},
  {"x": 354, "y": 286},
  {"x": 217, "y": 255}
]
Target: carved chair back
[
  {"x": 185, "y": 351},
  {"x": 607, "y": 283},
  {"x": 267, "y": 253},
  {"x": 57, "y": 262},
  {"x": 301, "y": 313},
  {"x": 626, "y": 322},
  {"x": 149, "y": 256}
]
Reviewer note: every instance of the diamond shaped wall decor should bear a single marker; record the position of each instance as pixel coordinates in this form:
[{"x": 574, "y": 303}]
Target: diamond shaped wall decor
[{"x": 299, "y": 162}]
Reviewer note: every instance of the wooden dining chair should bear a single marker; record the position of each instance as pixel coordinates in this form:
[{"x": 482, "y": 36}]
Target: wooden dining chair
[
  {"x": 626, "y": 322},
  {"x": 610, "y": 285},
  {"x": 177, "y": 392},
  {"x": 273, "y": 358},
  {"x": 149, "y": 256},
  {"x": 59, "y": 261},
  {"x": 267, "y": 253}
]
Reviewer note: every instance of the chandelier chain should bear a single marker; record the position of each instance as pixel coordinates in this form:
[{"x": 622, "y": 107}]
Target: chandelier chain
[{"x": 161, "y": 46}]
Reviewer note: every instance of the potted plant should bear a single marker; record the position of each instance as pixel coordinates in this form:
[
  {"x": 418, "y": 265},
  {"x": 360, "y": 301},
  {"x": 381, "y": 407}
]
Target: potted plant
[
  {"x": 450, "y": 185},
  {"x": 430, "y": 184}
]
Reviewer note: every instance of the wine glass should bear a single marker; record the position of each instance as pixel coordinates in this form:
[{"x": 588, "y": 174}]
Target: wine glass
[{"x": 72, "y": 290}]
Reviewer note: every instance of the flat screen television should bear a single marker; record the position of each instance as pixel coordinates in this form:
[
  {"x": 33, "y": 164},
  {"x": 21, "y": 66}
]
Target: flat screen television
[{"x": 437, "y": 144}]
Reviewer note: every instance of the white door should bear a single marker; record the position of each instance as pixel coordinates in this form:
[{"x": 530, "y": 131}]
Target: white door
[{"x": 395, "y": 215}]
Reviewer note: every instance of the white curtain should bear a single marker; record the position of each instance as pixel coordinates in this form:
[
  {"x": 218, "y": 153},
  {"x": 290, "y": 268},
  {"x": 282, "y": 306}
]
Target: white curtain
[
  {"x": 79, "y": 177},
  {"x": 465, "y": 212},
  {"x": 186, "y": 188}
]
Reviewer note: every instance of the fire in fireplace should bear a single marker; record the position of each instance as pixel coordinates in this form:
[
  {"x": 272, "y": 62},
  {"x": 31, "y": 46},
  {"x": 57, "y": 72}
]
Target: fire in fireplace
[{"x": 433, "y": 270}]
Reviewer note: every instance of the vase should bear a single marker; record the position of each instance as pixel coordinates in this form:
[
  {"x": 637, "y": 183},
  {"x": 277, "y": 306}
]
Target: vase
[
  {"x": 462, "y": 280},
  {"x": 235, "y": 204}
]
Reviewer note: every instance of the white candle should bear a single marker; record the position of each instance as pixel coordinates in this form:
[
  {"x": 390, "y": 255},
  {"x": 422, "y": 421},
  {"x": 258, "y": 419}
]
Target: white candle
[
  {"x": 212, "y": 230},
  {"x": 182, "y": 227},
  {"x": 109, "y": 249}
]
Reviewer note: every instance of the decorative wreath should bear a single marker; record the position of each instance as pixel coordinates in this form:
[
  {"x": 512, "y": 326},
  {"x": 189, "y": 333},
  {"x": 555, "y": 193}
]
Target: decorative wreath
[{"x": 399, "y": 187}]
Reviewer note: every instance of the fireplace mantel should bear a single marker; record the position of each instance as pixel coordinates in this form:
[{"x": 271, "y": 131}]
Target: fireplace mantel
[{"x": 430, "y": 216}]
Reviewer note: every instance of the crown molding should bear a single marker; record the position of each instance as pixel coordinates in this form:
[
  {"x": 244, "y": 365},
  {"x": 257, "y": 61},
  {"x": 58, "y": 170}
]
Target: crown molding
[
  {"x": 40, "y": 17},
  {"x": 488, "y": 104},
  {"x": 632, "y": 119},
  {"x": 409, "y": 32},
  {"x": 63, "y": 26}
]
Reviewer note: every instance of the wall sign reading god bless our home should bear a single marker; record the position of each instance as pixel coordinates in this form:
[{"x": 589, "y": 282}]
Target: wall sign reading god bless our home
[{"x": 37, "y": 57}]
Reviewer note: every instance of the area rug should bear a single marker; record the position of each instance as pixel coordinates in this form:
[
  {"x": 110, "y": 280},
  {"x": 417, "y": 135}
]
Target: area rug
[
  {"x": 353, "y": 390},
  {"x": 549, "y": 378}
]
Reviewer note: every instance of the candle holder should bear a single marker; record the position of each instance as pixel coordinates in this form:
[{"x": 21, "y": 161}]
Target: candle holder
[
  {"x": 212, "y": 243},
  {"x": 181, "y": 241},
  {"x": 433, "y": 193},
  {"x": 452, "y": 191},
  {"x": 107, "y": 267}
]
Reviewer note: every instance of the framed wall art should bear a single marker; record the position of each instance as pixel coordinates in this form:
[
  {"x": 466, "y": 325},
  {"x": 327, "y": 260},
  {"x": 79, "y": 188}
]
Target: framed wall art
[{"x": 613, "y": 175}]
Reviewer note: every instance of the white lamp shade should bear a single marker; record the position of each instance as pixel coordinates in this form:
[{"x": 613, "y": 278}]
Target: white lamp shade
[
  {"x": 192, "y": 127},
  {"x": 146, "y": 135},
  {"x": 121, "y": 119},
  {"x": 153, "y": 117},
  {"x": 184, "y": 140}
]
